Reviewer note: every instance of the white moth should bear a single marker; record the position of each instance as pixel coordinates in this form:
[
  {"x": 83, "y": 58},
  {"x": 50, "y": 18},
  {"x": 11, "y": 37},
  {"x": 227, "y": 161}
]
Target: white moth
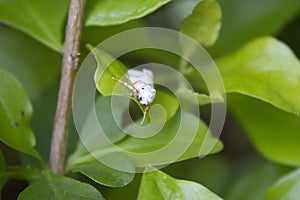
[{"x": 141, "y": 83}]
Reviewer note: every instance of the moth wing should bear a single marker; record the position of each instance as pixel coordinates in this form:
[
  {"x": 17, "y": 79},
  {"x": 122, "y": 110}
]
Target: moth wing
[
  {"x": 148, "y": 76},
  {"x": 136, "y": 76}
]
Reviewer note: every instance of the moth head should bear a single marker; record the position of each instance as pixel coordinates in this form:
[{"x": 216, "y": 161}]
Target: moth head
[{"x": 146, "y": 95}]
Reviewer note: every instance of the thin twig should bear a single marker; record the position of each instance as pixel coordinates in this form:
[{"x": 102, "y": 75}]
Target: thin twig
[{"x": 69, "y": 69}]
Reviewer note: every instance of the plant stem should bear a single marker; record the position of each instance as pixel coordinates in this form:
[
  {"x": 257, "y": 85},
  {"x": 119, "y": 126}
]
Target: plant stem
[{"x": 69, "y": 69}]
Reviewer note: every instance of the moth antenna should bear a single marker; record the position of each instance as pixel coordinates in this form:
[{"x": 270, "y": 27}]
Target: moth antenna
[{"x": 127, "y": 85}]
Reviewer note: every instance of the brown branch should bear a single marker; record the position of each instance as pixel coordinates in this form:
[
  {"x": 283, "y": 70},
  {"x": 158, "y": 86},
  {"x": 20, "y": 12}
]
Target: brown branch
[{"x": 69, "y": 69}]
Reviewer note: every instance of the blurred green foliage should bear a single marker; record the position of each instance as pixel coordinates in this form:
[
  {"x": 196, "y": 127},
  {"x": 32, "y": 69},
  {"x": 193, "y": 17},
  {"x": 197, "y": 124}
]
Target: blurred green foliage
[{"x": 256, "y": 50}]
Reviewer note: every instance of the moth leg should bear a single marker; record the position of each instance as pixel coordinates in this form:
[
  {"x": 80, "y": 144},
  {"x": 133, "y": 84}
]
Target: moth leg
[
  {"x": 145, "y": 112},
  {"x": 129, "y": 86}
]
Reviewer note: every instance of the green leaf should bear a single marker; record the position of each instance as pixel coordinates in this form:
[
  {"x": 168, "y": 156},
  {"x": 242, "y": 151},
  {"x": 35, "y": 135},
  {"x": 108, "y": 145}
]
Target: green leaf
[
  {"x": 36, "y": 66},
  {"x": 245, "y": 20},
  {"x": 204, "y": 23},
  {"x": 252, "y": 178},
  {"x": 265, "y": 69},
  {"x": 91, "y": 167},
  {"x": 288, "y": 187},
  {"x": 112, "y": 12},
  {"x": 203, "y": 99},
  {"x": 274, "y": 133},
  {"x": 18, "y": 173},
  {"x": 43, "y": 20},
  {"x": 97, "y": 34},
  {"x": 167, "y": 134},
  {"x": 168, "y": 102},
  {"x": 108, "y": 67},
  {"x": 89, "y": 135},
  {"x": 15, "y": 115},
  {"x": 138, "y": 145},
  {"x": 103, "y": 174},
  {"x": 157, "y": 185},
  {"x": 54, "y": 187}
]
